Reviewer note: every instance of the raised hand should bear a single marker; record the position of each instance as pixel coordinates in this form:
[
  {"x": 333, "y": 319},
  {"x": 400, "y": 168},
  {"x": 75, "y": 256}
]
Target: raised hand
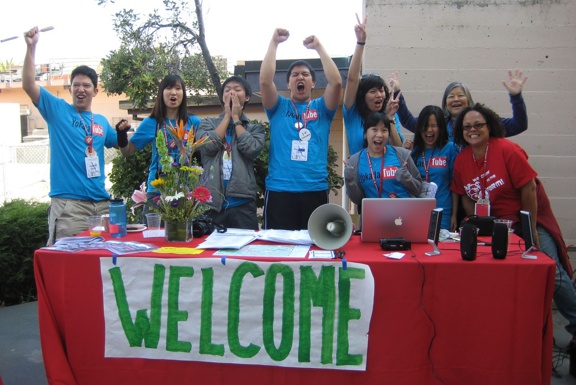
[
  {"x": 32, "y": 35},
  {"x": 394, "y": 81},
  {"x": 516, "y": 81},
  {"x": 280, "y": 35},
  {"x": 360, "y": 29},
  {"x": 393, "y": 103},
  {"x": 311, "y": 42}
]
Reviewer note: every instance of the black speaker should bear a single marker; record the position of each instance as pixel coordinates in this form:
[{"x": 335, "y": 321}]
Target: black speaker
[
  {"x": 468, "y": 242},
  {"x": 500, "y": 240}
]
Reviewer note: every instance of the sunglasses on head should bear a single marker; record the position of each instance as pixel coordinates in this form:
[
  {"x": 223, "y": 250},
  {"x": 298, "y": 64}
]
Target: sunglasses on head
[{"x": 364, "y": 76}]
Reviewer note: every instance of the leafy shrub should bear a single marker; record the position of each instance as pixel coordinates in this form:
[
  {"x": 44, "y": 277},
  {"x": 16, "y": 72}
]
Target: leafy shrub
[
  {"x": 24, "y": 229},
  {"x": 127, "y": 175}
]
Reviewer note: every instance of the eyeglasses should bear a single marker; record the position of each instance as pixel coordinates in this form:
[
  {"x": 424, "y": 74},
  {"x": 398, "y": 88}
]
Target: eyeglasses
[
  {"x": 364, "y": 76},
  {"x": 476, "y": 126}
]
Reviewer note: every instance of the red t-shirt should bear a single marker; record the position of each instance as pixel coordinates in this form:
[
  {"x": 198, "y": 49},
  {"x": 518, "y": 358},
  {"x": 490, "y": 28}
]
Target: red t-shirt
[{"x": 506, "y": 170}]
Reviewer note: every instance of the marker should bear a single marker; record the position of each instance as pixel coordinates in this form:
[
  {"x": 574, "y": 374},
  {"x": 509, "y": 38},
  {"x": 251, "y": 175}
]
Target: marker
[
  {"x": 45, "y": 29},
  {"x": 484, "y": 244}
]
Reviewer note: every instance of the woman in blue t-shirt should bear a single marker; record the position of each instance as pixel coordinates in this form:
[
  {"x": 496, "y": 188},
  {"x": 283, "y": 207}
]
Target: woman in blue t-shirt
[{"x": 434, "y": 156}]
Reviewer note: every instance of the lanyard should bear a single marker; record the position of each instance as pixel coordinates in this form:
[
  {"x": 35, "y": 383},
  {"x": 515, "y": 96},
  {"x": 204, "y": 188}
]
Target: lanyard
[
  {"x": 298, "y": 124},
  {"x": 427, "y": 164},
  {"x": 88, "y": 138},
  {"x": 379, "y": 190},
  {"x": 483, "y": 174}
]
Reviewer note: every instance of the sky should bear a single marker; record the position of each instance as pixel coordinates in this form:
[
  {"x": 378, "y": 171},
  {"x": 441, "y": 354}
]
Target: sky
[{"x": 83, "y": 29}]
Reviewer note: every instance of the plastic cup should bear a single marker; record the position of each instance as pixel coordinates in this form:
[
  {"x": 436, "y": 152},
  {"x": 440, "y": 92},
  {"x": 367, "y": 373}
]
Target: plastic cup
[
  {"x": 95, "y": 226},
  {"x": 106, "y": 222},
  {"x": 153, "y": 221},
  {"x": 505, "y": 221}
]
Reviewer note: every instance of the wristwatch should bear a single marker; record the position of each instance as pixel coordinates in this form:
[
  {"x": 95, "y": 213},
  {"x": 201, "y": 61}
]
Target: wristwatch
[{"x": 238, "y": 123}]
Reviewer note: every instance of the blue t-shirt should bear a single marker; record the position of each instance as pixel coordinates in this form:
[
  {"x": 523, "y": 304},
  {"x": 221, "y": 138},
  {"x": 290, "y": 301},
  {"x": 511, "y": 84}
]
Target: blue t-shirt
[
  {"x": 384, "y": 175},
  {"x": 354, "y": 125},
  {"x": 68, "y": 129},
  {"x": 285, "y": 174},
  {"x": 440, "y": 163},
  {"x": 146, "y": 133}
]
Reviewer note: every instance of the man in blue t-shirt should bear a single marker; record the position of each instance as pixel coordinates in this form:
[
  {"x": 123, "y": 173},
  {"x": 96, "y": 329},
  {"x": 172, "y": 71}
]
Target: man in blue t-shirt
[
  {"x": 297, "y": 181},
  {"x": 77, "y": 141}
]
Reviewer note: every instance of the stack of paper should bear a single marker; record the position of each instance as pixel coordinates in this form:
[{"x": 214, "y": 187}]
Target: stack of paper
[
  {"x": 293, "y": 237},
  {"x": 231, "y": 239}
]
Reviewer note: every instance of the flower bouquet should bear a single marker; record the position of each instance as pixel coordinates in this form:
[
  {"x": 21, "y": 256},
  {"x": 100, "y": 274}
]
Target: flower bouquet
[{"x": 183, "y": 196}]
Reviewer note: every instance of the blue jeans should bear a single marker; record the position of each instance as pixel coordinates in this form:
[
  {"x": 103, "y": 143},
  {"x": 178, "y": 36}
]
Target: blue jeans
[{"x": 564, "y": 291}]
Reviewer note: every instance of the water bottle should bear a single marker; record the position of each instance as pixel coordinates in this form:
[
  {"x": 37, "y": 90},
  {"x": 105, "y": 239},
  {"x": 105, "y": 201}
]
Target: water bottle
[{"x": 117, "y": 212}]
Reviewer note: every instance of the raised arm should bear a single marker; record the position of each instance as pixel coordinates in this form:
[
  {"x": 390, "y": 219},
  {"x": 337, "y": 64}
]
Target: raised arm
[
  {"x": 355, "y": 65},
  {"x": 29, "y": 70},
  {"x": 406, "y": 118},
  {"x": 268, "y": 69},
  {"x": 334, "y": 87},
  {"x": 519, "y": 121}
]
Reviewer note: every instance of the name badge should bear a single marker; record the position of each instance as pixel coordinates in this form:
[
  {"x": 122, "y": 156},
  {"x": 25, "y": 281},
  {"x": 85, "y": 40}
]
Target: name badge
[
  {"x": 299, "y": 151},
  {"x": 92, "y": 166}
]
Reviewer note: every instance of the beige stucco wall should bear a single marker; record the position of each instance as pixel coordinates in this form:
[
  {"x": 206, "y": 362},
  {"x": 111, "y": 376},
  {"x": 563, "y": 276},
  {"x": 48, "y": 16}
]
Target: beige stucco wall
[{"x": 433, "y": 43}]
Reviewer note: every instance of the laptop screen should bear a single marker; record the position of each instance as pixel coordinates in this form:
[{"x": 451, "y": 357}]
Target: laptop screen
[{"x": 408, "y": 218}]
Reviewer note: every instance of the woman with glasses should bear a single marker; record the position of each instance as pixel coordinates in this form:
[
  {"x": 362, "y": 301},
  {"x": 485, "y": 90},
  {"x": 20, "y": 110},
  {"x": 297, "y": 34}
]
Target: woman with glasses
[
  {"x": 457, "y": 97},
  {"x": 434, "y": 157},
  {"x": 494, "y": 171},
  {"x": 365, "y": 94}
]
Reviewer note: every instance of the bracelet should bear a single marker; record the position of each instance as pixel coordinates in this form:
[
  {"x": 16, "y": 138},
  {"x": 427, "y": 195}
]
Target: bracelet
[
  {"x": 122, "y": 138},
  {"x": 361, "y": 42},
  {"x": 238, "y": 123}
]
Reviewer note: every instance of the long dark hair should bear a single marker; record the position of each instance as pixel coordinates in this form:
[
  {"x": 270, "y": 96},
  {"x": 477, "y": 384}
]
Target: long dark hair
[
  {"x": 493, "y": 122},
  {"x": 159, "y": 109},
  {"x": 365, "y": 85},
  {"x": 422, "y": 126}
]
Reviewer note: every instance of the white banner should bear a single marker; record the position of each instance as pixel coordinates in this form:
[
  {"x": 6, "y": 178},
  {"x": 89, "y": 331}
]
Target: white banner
[{"x": 294, "y": 314}]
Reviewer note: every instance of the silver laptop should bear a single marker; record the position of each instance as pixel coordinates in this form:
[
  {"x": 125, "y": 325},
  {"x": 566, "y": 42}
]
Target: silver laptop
[{"x": 408, "y": 218}]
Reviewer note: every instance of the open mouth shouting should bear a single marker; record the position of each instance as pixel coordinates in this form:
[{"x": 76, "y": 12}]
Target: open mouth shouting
[{"x": 300, "y": 87}]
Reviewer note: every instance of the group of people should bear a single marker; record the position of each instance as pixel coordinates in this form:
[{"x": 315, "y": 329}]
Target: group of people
[{"x": 459, "y": 154}]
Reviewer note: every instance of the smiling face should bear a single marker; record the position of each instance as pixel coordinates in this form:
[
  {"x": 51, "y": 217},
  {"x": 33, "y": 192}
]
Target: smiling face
[
  {"x": 456, "y": 101},
  {"x": 82, "y": 91},
  {"x": 475, "y": 130},
  {"x": 375, "y": 99},
  {"x": 430, "y": 133},
  {"x": 377, "y": 137},
  {"x": 300, "y": 84}
]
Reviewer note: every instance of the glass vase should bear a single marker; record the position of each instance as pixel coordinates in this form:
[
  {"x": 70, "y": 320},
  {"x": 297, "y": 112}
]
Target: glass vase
[{"x": 178, "y": 231}]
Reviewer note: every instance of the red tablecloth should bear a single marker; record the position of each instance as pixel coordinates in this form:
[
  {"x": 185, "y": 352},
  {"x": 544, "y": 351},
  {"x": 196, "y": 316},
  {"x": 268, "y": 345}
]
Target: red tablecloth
[{"x": 436, "y": 320}]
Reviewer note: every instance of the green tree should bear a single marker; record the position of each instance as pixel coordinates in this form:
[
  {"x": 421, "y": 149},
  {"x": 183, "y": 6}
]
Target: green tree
[
  {"x": 6, "y": 65},
  {"x": 166, "y": 41}
]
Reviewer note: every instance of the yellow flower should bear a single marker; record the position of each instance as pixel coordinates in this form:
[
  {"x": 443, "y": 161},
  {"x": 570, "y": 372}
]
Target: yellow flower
[{"x": 157, "y": 182}]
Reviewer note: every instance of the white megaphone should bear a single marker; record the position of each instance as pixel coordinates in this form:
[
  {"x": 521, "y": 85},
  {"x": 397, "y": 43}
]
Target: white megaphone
[{"x": 330, "y": 226}]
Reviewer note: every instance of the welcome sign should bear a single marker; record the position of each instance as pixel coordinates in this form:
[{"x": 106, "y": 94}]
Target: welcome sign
[{"x": 291, "y": 314}]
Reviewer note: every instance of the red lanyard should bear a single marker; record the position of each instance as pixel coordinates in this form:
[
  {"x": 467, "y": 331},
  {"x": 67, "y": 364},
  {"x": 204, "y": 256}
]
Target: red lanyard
[
  {"x": 88, "y": 138},
  {"x": 483, "y": 174},
  {"x": 427, "y": 164},
  {"x": 379, "y": 190}
]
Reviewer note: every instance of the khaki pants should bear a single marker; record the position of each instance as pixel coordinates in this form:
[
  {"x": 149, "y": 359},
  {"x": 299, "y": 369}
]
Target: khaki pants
[{"x": 67, "y": 217}]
